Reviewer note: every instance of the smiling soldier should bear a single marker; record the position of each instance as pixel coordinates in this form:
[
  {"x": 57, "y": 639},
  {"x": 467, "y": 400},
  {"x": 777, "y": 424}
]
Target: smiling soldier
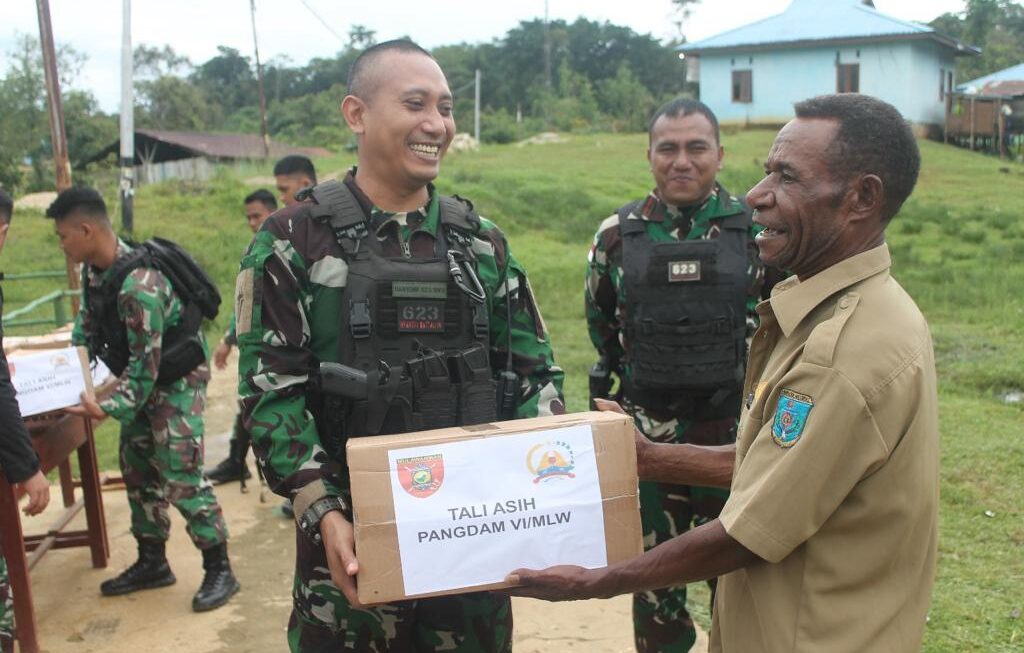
[
  {"x": 377, "y": 305},
  {"x": 671, "y": 287},
  {"x": 828, "y": 540}
]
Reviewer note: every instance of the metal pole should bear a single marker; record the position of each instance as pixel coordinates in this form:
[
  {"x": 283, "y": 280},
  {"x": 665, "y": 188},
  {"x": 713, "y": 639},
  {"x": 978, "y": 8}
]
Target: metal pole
[
  {"x": 259, "y": 80},
  {"x": 476, "y": 109},
  {"x": 127, "y": 122},
  {"x": 58, "y": 137}
]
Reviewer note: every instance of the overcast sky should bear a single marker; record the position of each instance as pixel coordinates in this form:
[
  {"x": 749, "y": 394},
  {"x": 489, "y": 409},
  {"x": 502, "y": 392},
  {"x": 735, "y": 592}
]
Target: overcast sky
[{"x": 288, "y": 28}]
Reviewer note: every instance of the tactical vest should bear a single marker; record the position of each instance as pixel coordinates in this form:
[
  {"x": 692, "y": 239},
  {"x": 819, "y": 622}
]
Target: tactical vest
[
  {"x": 107, "y": 337},
  {"x": 685, "y": 318},
  {"x": 417, "y": 327}
]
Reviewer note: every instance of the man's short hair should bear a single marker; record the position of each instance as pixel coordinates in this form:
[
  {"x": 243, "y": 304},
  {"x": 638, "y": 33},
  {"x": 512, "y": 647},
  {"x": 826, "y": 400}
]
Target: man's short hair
[
  {"x": 6, "y": 207},
  {"x": 81, "y": 199},
  {"x": 682, "y": 106},
  {"x": 296, "y": 164},
  {"x": 362, "y": 83},
  {"x": 873, "y": 138},
  {"x": 262, "y": 195}
]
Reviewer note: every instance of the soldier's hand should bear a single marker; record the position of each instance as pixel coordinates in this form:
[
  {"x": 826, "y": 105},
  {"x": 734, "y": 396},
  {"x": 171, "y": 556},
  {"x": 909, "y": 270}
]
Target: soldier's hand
[
  {"x": 561, "y": 583},
  {"x": 38, "y": 490},
  {"x": 220, "y": 355},
  {"x": 88, "y": 407},
  {"x": 339, "y": 545},
  {"x": 643, "y": 444}
]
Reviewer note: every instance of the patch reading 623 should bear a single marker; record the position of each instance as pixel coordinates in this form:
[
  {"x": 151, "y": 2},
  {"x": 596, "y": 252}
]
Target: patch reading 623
[
  {"x": 422, "y": 316},
  {"x": 684, "y": 271}
]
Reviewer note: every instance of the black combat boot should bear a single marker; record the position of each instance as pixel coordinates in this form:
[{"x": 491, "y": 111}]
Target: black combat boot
[
  {"x": 232, "y": 468},
  {"x": 149, "y": 571},
  {"x": 219, "y": 584}
]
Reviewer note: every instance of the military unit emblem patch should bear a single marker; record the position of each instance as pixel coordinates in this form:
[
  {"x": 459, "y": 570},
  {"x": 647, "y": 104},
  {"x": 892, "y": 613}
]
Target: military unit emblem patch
[{"x": 790, "y": 418}]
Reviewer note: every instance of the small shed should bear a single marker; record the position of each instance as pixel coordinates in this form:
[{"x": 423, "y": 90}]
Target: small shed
[
  {"x": 162, "y": 154},
  {"x": 753, "y": 74},
  {"x": 988, "y": 113}
]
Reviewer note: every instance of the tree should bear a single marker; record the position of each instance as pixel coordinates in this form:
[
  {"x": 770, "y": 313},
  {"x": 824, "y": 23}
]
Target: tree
[
  {"x": 150, "y": 62},
  {"x": 995, "y": 26},
  {"x": 170, "y": 102},
  {"x": 682, "y": 9}
]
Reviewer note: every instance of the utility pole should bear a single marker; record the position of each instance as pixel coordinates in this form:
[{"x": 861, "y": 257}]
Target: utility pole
[
  {"x": 259, "y": 81},
  {"x": 127, "y": 122},
  {"x": 547, "y": 48},
  {"x": 476, "y": 109},
  {"x": 58, "y": 138}
]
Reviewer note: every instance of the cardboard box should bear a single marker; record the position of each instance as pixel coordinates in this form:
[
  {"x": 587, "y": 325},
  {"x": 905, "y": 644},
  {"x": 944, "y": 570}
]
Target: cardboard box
[
  {"x": 528, "y": 520},
  {"x": 49, "y": 379}
]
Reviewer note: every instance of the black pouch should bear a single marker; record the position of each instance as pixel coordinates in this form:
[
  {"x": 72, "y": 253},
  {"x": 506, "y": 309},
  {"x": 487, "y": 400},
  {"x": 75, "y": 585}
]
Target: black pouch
[
  {"x": 181, "y": 357},
  {"x": 472, "y": 371},
  {"x": 433, "y": 394}
]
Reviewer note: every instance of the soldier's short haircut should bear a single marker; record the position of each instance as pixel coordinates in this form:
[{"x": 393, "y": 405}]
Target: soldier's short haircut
[
  {"x": 79, "y": 199},
  {"x": 264, "y": 196},
  {"x": 296, "y": 164},
  {"x": 682, "y": 106},
  {"x": 362, "y": 80},
  {"x": 873, "y": 138},
  {"x": 6, "y": 207}
]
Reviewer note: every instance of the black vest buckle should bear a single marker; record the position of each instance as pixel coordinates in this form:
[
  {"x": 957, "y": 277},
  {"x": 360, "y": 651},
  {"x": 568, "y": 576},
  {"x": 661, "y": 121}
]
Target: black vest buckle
[{"x": 360, "y": 322}]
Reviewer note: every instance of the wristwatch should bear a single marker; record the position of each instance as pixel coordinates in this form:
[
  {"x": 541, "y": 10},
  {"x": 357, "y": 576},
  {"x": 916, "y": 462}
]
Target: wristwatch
[{"x": 309, "y": 522}]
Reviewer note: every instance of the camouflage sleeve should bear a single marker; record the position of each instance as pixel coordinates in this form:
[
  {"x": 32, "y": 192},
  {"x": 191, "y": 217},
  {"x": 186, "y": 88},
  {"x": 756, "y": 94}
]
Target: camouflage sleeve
[
  {"x": 142, "y": 304},
  {"x": 271, "y": 303},
  {"x": 600, "y": 296},
  {"x": 532, "y": 357}
]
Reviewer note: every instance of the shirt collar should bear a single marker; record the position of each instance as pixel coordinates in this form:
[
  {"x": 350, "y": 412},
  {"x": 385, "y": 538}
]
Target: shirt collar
[
  {"x": 421, "y": 219},
  {"x": 792, "y": 300}
]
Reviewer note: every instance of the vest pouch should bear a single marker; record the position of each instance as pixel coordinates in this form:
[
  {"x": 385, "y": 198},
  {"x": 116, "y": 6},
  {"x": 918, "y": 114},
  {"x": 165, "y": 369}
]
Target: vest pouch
[
  {"x": 434, "y": 396},
  {"x": 179, "y": 356},
  {"x": 477, "y": 389}
]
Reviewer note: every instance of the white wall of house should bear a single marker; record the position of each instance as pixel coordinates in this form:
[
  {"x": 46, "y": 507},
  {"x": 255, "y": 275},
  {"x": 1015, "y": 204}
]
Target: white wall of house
[{"x": 904, "y": 73}]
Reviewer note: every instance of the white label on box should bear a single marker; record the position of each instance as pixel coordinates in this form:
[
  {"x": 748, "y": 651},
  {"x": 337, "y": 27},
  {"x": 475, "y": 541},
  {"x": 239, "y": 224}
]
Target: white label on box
[
  {"x": 469, "y": 512},
  {"x": 47, "y": 380}
]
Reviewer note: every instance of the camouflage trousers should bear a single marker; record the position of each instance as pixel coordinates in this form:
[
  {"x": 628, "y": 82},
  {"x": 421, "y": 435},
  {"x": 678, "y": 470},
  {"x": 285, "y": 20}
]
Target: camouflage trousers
[
  {"x": 162, "y": 464},
  {"x": 322, "y": 620},
  {"x": 661, "y": 622},
  {"x": 6, "y": 610}
]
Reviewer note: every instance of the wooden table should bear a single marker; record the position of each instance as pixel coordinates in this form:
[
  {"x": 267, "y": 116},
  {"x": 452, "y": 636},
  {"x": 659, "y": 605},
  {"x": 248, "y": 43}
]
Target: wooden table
[{"x": 54, "y": 436}]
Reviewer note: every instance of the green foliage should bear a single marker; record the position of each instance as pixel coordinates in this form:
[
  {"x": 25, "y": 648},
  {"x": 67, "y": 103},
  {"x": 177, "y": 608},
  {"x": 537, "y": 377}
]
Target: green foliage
[{"x": 995, "y": 26}]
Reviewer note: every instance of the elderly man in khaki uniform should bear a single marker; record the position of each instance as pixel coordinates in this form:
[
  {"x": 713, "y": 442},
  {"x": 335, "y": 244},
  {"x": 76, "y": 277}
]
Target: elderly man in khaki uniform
[{"x": 828, "y": 540}]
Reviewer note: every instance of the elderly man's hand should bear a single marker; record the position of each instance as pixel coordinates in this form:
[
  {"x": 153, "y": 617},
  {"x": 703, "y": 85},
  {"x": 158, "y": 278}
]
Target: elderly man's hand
[
  {"x": 643, "y": 445},
  {"x": 38, "y": 491},
  {"x": 561, "y": 583}
]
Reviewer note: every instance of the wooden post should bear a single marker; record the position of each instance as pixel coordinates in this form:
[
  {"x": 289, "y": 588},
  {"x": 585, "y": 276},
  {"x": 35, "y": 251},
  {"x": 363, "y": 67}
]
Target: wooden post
[
  {"x": 259, "y": 80},
  {"x": 58, "y": 136},
  {"x": 1001, "y": 120},
  {"x": 972, "y": 124}
]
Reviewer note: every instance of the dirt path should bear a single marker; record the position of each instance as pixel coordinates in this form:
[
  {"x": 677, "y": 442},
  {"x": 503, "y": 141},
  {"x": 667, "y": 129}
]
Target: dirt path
[{"x": 74, "y": 618}]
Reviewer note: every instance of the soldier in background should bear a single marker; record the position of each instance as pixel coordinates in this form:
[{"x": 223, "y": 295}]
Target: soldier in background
[
  {"x": 18, "y": 460},
  {"x": 291, "y": 174},
  {"x": 161, "y": 412},
  {"x": 308, "y": 297},
  {"x": 258, "y": 207},
  {"x": 671, "y": 287}
]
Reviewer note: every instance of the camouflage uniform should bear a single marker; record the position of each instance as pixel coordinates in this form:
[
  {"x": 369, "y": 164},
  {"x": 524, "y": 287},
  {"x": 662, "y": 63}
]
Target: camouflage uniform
[
  {"x": 19, "y": 462},
  {"x": 661, "y": 621},
  {"x": 288, "y": 306},
  {"x": 161, "y": 447}
]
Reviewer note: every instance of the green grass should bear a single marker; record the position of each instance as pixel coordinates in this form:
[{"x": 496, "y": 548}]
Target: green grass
[{"x": 958, "y": 248}]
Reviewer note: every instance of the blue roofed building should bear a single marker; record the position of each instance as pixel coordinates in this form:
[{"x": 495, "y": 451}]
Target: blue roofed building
[{"x": 755, "y": 73}]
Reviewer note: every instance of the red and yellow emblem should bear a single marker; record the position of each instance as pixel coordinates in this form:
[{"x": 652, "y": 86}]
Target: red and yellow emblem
[{"x": 421, "y": 476}]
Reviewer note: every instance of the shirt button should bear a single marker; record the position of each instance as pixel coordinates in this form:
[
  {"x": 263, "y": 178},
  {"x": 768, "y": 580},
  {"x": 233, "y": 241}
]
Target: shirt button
[{"x": 844, "y": 303}]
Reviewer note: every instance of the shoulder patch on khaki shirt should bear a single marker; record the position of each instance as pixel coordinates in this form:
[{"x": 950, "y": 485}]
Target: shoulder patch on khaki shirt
[
  {"x": 790, "y": 418},
  {"x": 243, "y": 302}
]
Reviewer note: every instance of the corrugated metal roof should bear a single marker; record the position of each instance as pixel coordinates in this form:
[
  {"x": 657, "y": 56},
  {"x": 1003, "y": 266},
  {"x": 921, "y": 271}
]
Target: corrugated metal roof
[
  {"x": 1008, "y": 81},
  {"x": 227, "y": 146},
  {"x": 164, "y": 145},
  {"x": 807, "y": 21}
]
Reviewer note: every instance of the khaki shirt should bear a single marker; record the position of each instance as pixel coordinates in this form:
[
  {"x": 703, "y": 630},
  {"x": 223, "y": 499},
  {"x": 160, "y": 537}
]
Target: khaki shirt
[{"x": 836, "y": 483}]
